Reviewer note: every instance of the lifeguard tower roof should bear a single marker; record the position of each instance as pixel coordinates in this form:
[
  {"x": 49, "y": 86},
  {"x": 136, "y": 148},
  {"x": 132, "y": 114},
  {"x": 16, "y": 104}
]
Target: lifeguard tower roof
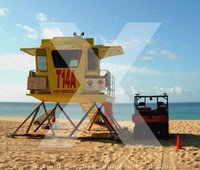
[
  {"x": 68, "y": 70},
  {"x": 104, "y": 51}
]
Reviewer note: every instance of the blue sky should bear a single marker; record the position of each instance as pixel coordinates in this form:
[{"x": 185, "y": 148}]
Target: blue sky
[{"x": 166, "y": 59}]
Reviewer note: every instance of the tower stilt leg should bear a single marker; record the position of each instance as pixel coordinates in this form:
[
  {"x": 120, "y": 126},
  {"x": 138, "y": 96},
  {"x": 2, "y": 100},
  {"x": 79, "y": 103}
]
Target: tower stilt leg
[
  {"x": 117, "y": 126},
  {"x": 48, "y": 116},
  {"x": 108, "y": 124},
  {"x": 93, "y": 121},
  {"x": 81, "y": 121},
  {"x": 34, "y": 116},
  {"x": 66, "y": 115},
  {"x": 37, "y": 108}
]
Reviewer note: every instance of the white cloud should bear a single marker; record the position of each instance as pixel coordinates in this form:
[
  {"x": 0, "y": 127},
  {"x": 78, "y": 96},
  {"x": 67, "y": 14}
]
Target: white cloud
[
  {"x": 3, "y": 11},
  {"x": 135, "y": 90},
  {"x": 41, "y": 17},
  {"x": 146, "y": 71},
  {"x": 14, "y": 92},
  {"x": 164, "y": 53},
  {"x": 128, "y": 43},
  {"x": 31, "y": 33},
  {"x": 121, "y": 96},
  {"x": 152, "y": 52},
  {"x": 173, "y": 90},
  {"x": 127, "y": 95},
  {"x": 147, "y": 58},
  {"x": 123, "y": 68},
  {"x": 13, "y": 61},
  {"x": 51, "y": 32},
  {"x": 134, "y": 36},
  {"x": 120, "y": 92},
  {"x": 115, "y": 68}
]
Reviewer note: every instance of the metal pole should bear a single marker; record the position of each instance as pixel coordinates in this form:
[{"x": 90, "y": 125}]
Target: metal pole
[
  {"x": 93, "y": 121},
  {"x": 107, "y": 122},
  {"x": 105, "y": 119},
  {"x": 26, "y": 119},
  {"x": 66, "y": 115},
  {"x": 115, "y": 122},
  {"x": 33, "y": 119},
  {"x": 49, "y": 121},
  {"x": 77, "y": 126},
  {"x": 45, "y": 118}
]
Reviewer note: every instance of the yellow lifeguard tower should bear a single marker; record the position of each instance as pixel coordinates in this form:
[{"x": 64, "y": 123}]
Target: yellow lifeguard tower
[{"x": 68, "y": 71}]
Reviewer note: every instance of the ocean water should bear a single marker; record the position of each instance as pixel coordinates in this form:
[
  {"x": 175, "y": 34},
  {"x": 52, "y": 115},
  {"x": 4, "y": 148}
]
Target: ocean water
[{"x": 177, "y": 111}]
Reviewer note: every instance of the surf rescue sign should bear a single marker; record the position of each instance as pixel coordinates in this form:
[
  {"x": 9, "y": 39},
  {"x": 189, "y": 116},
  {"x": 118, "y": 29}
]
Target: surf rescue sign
[{"x": 65, "y": 81}]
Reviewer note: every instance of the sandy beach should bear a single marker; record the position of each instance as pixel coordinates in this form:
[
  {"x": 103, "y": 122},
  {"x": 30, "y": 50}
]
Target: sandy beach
[{"x": 64, "y": 153}]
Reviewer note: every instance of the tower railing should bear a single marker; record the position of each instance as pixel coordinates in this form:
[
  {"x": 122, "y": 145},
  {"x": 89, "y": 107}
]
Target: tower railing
[{"x": 110, "y": 83}]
